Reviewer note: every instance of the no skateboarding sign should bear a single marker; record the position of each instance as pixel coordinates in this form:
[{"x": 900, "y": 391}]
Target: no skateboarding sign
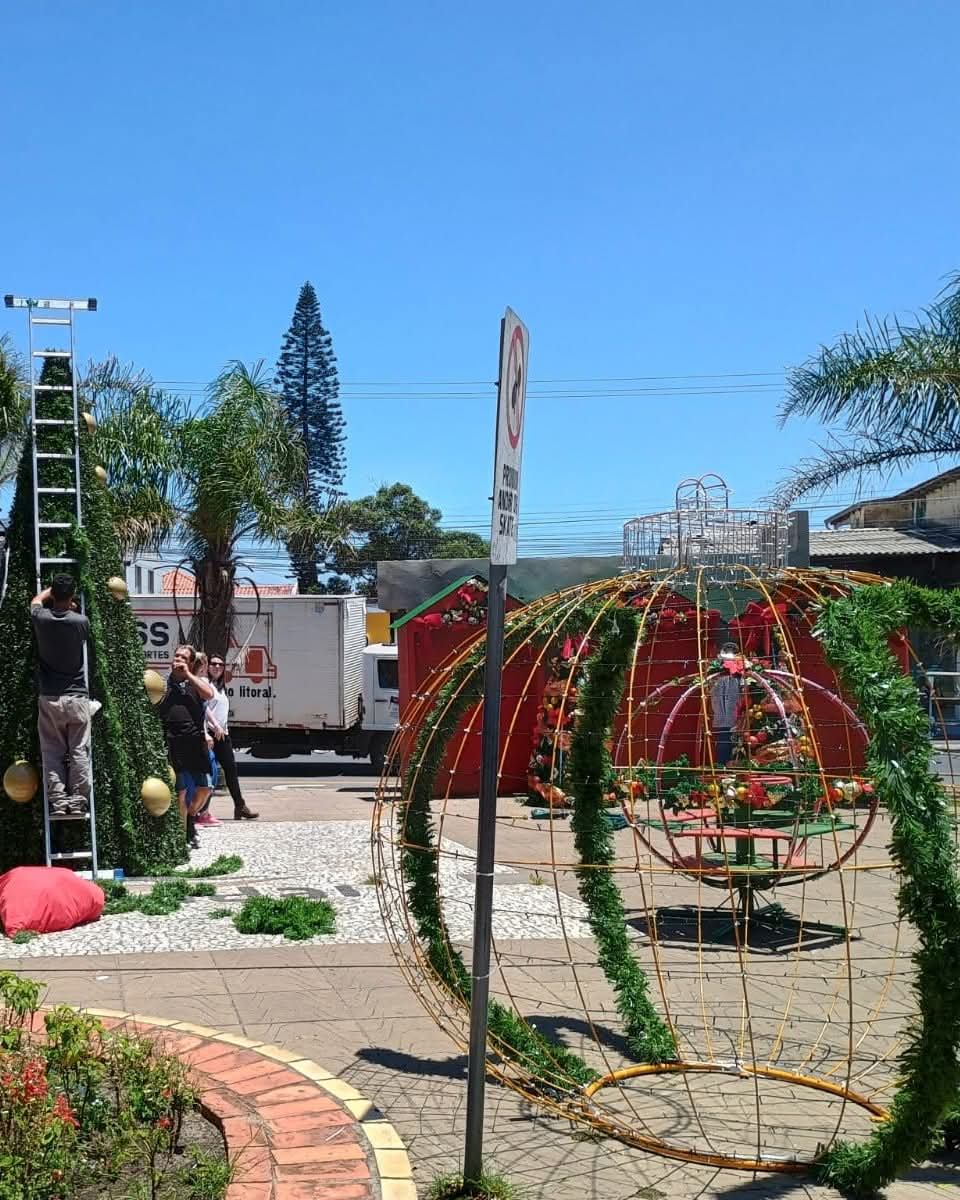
[{"x": 511, "y": 401}]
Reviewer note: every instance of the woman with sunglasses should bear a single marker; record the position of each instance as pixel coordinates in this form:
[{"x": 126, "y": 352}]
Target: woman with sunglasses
[{"x": 218, "y": 714}]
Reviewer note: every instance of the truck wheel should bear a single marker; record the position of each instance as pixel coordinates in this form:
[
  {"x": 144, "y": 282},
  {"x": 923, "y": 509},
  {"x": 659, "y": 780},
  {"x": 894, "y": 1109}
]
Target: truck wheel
[{"x": 378, "y": 751}]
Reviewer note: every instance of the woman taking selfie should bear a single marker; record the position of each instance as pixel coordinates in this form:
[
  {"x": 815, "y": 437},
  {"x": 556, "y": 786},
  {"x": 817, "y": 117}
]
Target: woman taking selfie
[{"x": 218, "y": 714}]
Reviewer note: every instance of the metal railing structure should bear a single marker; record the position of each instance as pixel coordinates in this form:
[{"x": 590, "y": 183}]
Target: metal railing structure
[{"x": 703, "y": 530}]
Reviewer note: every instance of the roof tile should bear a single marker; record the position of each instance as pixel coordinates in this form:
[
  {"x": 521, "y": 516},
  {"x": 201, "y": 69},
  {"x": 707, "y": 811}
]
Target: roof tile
[{"x": 852, "y": 543}]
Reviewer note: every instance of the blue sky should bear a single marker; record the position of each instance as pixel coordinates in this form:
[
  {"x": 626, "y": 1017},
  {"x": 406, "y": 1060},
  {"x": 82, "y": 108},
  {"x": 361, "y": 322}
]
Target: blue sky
[{"x": 685, "y": 190}]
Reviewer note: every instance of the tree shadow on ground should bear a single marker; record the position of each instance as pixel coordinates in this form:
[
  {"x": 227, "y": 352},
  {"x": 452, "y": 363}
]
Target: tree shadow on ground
[
  {"x": 455, "y": 1067},
  {"x": 413, "y": 1064},
  {"x": 553, "y": 1029},
  {"x": 942, "y": 1171},
  {"x": 772, "y": 931}
]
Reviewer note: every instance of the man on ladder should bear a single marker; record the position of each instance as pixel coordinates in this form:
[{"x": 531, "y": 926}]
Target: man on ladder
[
  {"x": 64, "y": 706},
  {"x": 61, "y": 628}
]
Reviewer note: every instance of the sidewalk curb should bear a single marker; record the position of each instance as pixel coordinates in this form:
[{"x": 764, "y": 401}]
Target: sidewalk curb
[{"x": 385, "y": 1145}]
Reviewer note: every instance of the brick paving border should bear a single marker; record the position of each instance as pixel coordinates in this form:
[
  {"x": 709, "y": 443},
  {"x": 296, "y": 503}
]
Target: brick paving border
[{"x": 293, "y": 1130}]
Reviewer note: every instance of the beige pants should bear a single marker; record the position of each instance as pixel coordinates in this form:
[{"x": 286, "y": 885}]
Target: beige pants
[{"x": 64, "y": 728}]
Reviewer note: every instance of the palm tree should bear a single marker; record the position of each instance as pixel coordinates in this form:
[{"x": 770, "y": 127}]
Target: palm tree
[
  {"x": 14, "y": 404},
  {"x": 214, "y": 477},
  {"x": 241, "y": 469},
  {"x": 137, "y": 440},
  {"x": 894, "y": 388}
]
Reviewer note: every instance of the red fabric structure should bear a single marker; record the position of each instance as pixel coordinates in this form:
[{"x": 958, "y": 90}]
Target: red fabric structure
[
  {"x": 679, "y": 643},
  {"x": 47, "y": 900},
  {"x": 426, "y": 637},
  {"x": 671, "y": 652}
]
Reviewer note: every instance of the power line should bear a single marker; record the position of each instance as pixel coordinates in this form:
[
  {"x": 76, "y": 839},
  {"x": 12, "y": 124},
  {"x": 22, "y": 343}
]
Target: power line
[{"x": 396, "y": 383}]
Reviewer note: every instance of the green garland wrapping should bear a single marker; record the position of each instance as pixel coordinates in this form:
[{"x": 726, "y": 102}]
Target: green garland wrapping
[
  {"x": 127, "y": 740},
  {"x": 648, "y": 1036},
  {"x": 855, "y": 632},
  {"x": 546, "y": 1060}
]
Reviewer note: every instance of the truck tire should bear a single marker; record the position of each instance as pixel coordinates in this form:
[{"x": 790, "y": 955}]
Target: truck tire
[{"x": 379, "y": 745}]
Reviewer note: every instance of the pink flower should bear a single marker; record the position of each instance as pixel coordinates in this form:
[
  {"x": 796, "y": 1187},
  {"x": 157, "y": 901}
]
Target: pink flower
[{"x": 63, "y": 1112}]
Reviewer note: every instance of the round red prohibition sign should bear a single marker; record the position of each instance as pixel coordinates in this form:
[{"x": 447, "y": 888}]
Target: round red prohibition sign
[{"x": 517, "y": 385}]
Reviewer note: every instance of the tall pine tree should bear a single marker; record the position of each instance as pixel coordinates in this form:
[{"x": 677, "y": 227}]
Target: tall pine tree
[
  {"x": 127, "y": 740},
  {"x": 307, "y": 379}
]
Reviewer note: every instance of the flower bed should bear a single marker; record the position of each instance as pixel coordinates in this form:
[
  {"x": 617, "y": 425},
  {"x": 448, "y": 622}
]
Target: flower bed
[{"x": 87, "y": 1112}]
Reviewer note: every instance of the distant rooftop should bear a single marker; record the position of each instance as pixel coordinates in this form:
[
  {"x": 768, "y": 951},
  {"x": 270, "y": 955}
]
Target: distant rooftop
[
  {"x": 185, "y": 585},
  {"x": 854, "y": 543},
  {"x": 917, "y": 492}
]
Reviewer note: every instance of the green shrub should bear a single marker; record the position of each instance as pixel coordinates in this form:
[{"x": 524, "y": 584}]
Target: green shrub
[
  {"x": 224, "y": 864},
  {"x": 89, "y": 1106},
  {"x": 205, "y": 1178},
  {"x": 164, "y": 897},
  {"x": 489, "y": 1186},
  {"x": 294, "y": 916}
]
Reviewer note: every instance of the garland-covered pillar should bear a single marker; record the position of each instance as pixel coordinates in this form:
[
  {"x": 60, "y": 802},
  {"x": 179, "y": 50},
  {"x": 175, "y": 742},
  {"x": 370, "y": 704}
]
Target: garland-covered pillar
[{"x": 127, "y": 739}]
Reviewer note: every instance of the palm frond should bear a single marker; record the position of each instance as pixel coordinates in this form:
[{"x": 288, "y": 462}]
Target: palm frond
[
  {"x": 247, "y": 463},
  {"x": 136, "y": 441},
  {"x": 887, "y": 376},
  {"x": 143, "y": 521},
  {"x": 841, "y": 461},
  {"x": 14, "y": 407}
]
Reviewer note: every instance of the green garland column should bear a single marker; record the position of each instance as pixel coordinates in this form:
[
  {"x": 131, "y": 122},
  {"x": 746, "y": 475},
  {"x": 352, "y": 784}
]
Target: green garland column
[
  {"x": 590, "y": 768},
  {"x": 855, "y": 632}
]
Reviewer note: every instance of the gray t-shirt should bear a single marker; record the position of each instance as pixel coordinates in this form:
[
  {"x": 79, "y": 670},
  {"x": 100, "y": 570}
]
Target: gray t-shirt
[
  {"x": 61, "y": 637},
  {"x": 724, "y": 698}
]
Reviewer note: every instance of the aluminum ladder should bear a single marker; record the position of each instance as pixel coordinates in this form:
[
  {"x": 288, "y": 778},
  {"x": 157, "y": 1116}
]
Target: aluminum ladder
[{"x": 41, "y": 316}]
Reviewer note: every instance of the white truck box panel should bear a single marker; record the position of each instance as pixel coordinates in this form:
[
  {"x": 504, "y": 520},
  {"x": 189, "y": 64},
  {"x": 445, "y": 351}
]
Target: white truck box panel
[{"x": 304, "y": 664}]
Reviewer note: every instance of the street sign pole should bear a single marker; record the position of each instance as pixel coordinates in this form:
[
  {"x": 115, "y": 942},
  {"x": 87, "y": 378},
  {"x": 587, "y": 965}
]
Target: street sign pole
[{"x": 511, "y": 402}]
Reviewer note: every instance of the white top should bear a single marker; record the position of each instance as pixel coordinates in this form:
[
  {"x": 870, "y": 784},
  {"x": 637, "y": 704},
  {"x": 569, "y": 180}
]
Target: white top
[{"x": 218, "y": 707}]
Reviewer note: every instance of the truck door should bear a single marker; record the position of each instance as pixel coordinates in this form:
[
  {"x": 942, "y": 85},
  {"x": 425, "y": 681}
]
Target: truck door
[{"x": 386, "y": 693}]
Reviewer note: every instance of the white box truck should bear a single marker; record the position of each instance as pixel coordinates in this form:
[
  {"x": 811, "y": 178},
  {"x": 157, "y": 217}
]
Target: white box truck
[{"x": 307, "y": 681}]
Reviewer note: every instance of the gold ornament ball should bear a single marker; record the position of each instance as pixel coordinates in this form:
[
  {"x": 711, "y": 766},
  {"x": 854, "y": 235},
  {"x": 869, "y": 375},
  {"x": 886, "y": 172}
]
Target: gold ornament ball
[
  {"x": 20, "y": 782},
  {"x": 101, "y": 474},
  {"x": 713, "y": 789},
  {"x": 742, "y": 792},
  {"x": 156, "y": 688},
  {"x": 117, "y": 587},
  {"x": 91, "y": 423},
  {"x": 156, "y": 796}
]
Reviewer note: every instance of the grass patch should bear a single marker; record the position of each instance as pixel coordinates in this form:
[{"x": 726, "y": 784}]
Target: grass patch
[
  {"x": 164, "y": 897},
  {"x": 490, "y": 1186},
  {"x": 223, "y": 864},
  {"x": 218, "y": 913},
  {"x": 372, "y": 881},
  {"x": 24, "y": 936},
  {"x": 537, "y": 879},
  {"x": 296, "y": 917},
  {"x": 206, "y": 1178}
]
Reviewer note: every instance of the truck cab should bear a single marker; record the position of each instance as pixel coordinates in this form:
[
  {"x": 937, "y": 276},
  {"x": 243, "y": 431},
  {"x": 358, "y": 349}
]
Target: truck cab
[{"x": 381, "y": 688}]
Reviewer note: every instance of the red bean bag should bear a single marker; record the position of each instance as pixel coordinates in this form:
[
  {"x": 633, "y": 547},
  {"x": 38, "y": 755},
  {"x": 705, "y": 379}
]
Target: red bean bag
[{"x": 47, "y": 900}]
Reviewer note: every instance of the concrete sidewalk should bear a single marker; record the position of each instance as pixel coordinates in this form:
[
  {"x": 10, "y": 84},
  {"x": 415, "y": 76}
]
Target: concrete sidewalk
[{"x": 349, "y": 1007}]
